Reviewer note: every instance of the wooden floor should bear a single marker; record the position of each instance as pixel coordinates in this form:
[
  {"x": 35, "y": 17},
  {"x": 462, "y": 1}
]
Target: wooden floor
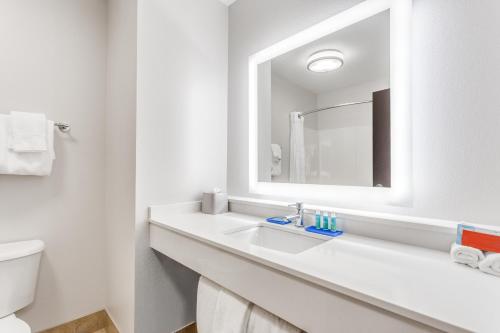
[
  {"x": 98, "y": 322},
  {"x": 188, "y": 329}
]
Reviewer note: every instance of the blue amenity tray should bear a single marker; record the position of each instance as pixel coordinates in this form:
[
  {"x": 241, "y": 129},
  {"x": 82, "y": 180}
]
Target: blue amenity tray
[
  {"x": 277, "y": 220},
  {"x": 324, "y": 232}
]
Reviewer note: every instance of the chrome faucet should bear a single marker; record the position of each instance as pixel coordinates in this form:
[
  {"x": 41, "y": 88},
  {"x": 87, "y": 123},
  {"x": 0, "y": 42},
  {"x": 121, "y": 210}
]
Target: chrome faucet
[{"x": 299, "y": 217}]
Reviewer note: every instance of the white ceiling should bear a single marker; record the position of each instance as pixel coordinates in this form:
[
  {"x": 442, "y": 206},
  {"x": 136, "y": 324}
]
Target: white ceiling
[
  {"x": 366, "y": 48},
  {"x": 228, "y": 2}
]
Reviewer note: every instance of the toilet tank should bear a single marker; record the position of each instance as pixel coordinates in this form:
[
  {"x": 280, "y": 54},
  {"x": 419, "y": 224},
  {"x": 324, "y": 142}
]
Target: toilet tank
[{"x": 19, "y": 264}]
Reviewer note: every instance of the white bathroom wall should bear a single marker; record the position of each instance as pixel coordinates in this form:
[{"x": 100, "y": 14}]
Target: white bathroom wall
[
  {"x": 264, "y": 117},
  {"x": 455, "y": 103},
  {"x": 120, "y": 162},
  {"x": 53, "y": 60},
  {"x": 181, "y": 140},
  {"x": 345, "y": 136}
]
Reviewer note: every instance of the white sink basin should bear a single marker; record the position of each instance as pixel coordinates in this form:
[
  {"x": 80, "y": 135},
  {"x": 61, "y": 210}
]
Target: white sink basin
[{"x": 277, "y": 238}]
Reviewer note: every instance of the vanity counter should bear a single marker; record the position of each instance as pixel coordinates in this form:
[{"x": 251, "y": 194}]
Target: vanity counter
[{"x": 417, "y": 283}]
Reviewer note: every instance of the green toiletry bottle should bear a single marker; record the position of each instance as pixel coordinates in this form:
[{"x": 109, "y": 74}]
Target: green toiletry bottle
[
  {"x": 318, "y": 219},
  {"x": 325, "y": 221},
  {"x": 333, "y": 222}
]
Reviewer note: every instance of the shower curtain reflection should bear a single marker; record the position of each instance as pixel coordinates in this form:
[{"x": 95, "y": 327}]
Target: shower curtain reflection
[{"x": 297, "y": 150}]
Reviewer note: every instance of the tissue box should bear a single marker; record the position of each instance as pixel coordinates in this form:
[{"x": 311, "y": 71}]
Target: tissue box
[{"x": 214, "y": 203}]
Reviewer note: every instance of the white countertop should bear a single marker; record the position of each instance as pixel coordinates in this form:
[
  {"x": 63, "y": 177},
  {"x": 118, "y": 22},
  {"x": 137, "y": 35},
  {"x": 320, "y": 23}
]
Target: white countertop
[{"x": 419, "y": 283}]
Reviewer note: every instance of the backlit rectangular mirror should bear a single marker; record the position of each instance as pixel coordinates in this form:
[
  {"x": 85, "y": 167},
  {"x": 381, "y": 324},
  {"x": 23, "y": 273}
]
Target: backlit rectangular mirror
[
  {"x": 329, "y": 114},
  {"x": 324, "y": 109}
]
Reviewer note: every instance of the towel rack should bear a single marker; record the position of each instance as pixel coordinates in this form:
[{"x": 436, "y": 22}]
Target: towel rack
[{"x": 63, "y": 127}]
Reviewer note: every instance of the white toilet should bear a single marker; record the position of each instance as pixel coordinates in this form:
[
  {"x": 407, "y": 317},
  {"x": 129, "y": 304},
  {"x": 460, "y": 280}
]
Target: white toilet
[{"x": 18, "y": 276}]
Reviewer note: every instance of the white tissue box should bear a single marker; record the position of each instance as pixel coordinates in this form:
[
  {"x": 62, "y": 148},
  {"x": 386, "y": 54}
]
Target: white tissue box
[{"x": 214, "y": 203}]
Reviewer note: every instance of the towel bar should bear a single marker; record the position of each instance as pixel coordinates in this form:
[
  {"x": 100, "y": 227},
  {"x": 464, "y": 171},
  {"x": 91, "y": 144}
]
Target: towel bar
[{"x": 63, "y": 127}]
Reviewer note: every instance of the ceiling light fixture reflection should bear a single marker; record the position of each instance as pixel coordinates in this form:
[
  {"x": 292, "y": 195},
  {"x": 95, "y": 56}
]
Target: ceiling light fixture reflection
[{"x": 325, "y": 61}]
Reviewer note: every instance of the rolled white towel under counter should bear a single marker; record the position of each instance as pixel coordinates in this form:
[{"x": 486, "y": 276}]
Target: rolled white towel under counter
[{"x": 219, "y": 310}]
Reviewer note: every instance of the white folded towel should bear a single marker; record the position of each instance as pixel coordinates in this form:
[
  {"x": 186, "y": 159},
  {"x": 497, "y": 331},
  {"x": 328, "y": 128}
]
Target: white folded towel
[
  {"x": 28, "y": 132},
  {"x": 208, "y": 292},
  {"x": 25, "y": 163},
  {"x": 276, "y": 151},
  {"x": 466, "y": 255},
  {"x": 231, "y": 313},
  {"x": 219, "y": 310},
  {"x": 276, "y": 159},
  {"x": 491, "y": 263},
  {"x": 261, "y": 321}
]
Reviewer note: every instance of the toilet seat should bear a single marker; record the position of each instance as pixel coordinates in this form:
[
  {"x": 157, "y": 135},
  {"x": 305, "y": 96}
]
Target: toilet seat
[{"x": 12, "y": 324}]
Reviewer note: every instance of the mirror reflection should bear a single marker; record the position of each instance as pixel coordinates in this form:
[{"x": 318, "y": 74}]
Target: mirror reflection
[{"x": 324, "y": 109}]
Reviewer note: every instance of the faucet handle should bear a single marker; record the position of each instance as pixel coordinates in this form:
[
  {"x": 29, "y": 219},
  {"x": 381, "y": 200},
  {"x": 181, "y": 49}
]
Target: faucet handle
[
  {"x": 298, "y": 205},
  {"x": 300, "y": 214}
]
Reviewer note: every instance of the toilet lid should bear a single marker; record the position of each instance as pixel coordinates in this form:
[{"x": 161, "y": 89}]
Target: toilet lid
[{"x": 12, "y": 324}]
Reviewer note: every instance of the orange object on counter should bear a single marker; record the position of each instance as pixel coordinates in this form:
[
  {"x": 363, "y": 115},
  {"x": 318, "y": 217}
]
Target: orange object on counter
[{"x": 481, "y": 241}]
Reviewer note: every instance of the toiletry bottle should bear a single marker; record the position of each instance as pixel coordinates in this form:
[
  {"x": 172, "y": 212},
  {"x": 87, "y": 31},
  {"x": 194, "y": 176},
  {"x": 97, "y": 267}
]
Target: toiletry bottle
[
  {"x": 325, "y": 221},
  {"x": 333, "y": 222},
  {"x": 318, "y": 219}
]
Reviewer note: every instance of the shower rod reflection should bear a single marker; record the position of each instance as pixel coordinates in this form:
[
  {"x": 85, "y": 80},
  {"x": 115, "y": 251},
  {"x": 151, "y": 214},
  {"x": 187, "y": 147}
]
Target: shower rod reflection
[{"x": 305, "y": 113}]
